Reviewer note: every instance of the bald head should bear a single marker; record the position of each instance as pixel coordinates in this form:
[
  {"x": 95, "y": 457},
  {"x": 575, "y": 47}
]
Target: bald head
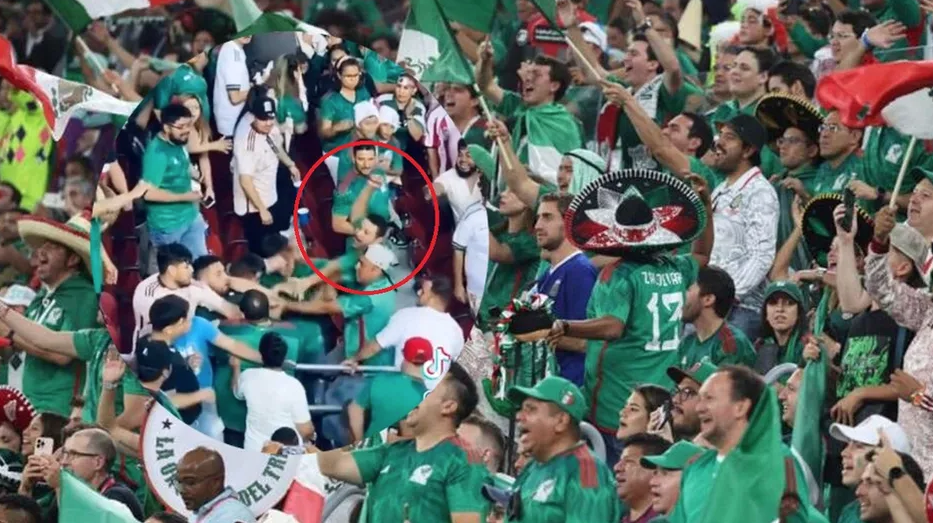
[
  {"x": 98, "y": 441},
  {"x": 200, "y": 477},
  {"x": 202, "y": 461}
]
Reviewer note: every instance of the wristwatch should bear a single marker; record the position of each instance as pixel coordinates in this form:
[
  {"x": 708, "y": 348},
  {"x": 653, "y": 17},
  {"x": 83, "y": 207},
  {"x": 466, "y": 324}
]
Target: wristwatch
[{"x": 895, "y": 474}]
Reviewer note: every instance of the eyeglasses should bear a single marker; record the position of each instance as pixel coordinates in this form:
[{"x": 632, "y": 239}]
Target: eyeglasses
[
  {"x": 790, "y": 140},
  {"x": 830, "y": 128},
  {"x": 840, "y": 36},
  {"x": 684, "y": 393},
  {"x": 69, "y": 455}
]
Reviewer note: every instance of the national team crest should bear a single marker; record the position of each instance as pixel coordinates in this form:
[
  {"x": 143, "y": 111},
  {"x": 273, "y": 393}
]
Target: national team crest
[
  {"x": 421, "y": 475},
  {"x": 567, "y": 399},
  {"x": 544, "y": 491}
]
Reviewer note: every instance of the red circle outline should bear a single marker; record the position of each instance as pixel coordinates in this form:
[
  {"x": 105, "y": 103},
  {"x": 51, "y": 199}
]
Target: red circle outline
[{"x": 304, "y": 252}]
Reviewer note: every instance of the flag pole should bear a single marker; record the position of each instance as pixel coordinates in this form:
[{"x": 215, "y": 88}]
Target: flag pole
[
  {"x": 573, "y": 47},
  {"x": 900, "y": 176},
  {"x": 92, "y": 59}
]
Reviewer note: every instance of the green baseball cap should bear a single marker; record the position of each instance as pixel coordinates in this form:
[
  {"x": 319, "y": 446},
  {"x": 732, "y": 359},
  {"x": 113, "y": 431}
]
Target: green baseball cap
[
  {"x": 556, "y": 390},
  {"x": 677, "y": 457},
  {"x": 483, "y": 160},
  {"x": 791, "y": 289},
  {"x": 699, "y": 372},
  {"x": 919, "y": 173}
]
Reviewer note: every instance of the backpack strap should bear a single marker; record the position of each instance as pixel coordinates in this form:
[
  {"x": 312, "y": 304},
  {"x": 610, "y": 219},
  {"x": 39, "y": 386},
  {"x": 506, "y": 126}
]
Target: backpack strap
[{"x": 790, "y": 500}]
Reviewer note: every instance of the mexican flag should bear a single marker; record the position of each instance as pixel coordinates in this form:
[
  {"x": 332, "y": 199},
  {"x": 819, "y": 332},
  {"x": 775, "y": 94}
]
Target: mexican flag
[
  {"x": 60, "y": 98},
  {"x": 428, "y": 46},
  {"x": 306, "y": 498},
  {"x": 544, "y": 134},
  {"x": 79, "y": 501},
  {"x": 78, "y": 14}
]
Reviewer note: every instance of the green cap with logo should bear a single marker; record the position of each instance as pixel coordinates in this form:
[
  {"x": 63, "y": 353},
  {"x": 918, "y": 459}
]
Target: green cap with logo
[
  {"x": 677, "y": 457},
  {"x": 556, "y": 390},
  {"x": 698, "y": 372},
  {"x": 791, "y": 289}
]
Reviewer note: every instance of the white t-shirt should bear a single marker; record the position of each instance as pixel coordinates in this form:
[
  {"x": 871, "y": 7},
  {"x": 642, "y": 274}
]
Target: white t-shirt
[
  {"x": 459, "y": 193},
  {"x": 151, "y": 289},
  {"x": 254, "y": 156},
  {"x": 273, "y": 400},
  {"x": 442, "y": 134},
  {"x": 472, "y": 237},
  {"x": 232, "y": 75},
  {"x": 440, "y": 328}
]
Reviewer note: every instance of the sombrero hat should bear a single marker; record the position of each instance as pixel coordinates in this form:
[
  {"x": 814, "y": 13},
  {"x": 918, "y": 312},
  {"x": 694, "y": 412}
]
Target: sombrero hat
[
  {"x": 819, "y": 229},
  {"x": 15, "y": 408},
  {"x": 778, "y": 112},
  {"x": 74, "y": 234},
  {"x": 634, "y": 210}
]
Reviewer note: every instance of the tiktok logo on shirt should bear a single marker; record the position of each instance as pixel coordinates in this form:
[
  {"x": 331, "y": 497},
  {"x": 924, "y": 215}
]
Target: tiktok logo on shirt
[{"x": 432, "y": 371}]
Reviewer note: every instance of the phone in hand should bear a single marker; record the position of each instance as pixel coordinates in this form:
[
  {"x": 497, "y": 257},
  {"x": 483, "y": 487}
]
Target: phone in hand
[
  {"x": 848, "y": 200},
  {"x": 667, "y": 409},
  {"x": 209, "y": 202},
  {"x": 44, "y": 447}
]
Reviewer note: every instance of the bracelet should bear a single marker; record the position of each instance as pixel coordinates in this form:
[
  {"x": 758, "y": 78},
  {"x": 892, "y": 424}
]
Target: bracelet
[
  {"x": 111, "y": 386},
  {"x": 865, "y": 41},
  {"x": 917, "y": 397}
]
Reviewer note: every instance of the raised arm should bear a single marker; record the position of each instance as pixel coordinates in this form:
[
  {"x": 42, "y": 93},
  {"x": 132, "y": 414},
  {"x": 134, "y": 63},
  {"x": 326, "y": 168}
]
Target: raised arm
[
  {"x": 664, "y": 51},
  {"x": 485, "y": 77},
  {"x": 516, "y": 178}
]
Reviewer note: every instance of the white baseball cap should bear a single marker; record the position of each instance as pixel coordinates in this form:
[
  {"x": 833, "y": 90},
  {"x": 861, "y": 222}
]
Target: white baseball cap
[
  {"x": 594, "y": 34},
  {"x": 388, "y": 116},
  {"x": 866, "y": 433},
  {"x": 364, "y": 110},
  {"x": 381, "y": 256},
  {"x": 18, "y": 296}
]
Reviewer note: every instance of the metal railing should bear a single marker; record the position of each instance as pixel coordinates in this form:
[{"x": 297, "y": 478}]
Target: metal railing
[{"x": 336, "y": 369}]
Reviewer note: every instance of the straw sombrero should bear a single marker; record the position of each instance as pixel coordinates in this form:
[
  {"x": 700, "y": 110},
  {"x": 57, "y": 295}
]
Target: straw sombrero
[
  {"x": 778, "y": 112},
  {"x": 634, "y": 210},
  {"x": 819, "y": 229},
  {"x": 15, "y": 408},
  {"x": 75, "y": 235}
]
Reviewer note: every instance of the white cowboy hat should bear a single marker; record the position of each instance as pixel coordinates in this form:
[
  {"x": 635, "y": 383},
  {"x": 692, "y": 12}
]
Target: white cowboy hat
[{"x": 74, "y": 234}]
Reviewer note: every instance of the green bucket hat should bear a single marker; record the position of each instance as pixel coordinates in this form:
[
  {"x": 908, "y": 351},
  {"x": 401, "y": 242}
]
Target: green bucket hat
[
  {"x": 483, "y": 160},
  {"x": 677, "y": 457},
  {"x": 699, "y": 372},
  {"x": 788, "y": 288},
  {"x": 184, "y": 80},
  {"x": 556, "y": 390}
]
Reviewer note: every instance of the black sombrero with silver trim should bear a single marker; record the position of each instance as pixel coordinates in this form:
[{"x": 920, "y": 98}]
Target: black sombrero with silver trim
[
  {"x": 778, "y": 112},
  {"x": 819, "y": 228},
  {"x": 634, "y": 210}
]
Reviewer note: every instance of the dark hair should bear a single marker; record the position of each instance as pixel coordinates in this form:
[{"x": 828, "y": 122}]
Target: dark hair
[
  {"x": 640, "y": 37},
  {"x": 273, "y": 349},
  {"x": 83, "y": 161},
  {"x": 558, "y": 73},
  {"x": 16, "y": 196},
  {"x": 22, "y": 504},
  {"x": 255, "y": 305},
  {"x": 53, "y": 426},
  {"x": 745, "y": 384},
  {"x": 172, "y": 254},
  {"x": 790, "y": 72},
  {"x": 347, "y": 62},
  {"x": 382, "y": 225},
  {"x": 285, "y": 436},
  {"x": 820, "y": 19},
  {"x": 204, "y": 262},
  {"x": 273, "y": 244},
  {"x": 655, "y": 396},
  {"x": 168, "y": 517},
  {"x": 621, "y": 24},
  {"x": 562, "y": 200},
  {"x": 767, "y": 331},
  {"x": 730, "y": 49},
  {"x": 391, "y": 40},
  {"x": 77, "y": 402},
  {"x": 46, "y": 10},
  {"x": 441, "y": 287},
  {"x": 174, "y": 112},
  {"x": 363, "y": 147},
  {"x": 912, "y": 468},
  {"x": 464, "y": 389},
  {"x": 650, "y": 444},
  {"x": 715, "y": 281},
  {"x": 344, "y": 20},
  {"x": 860, "y": 21},
  {"x": 491, "y": 432},
  {"x": 247, "y": 266},
  {"x": 765, "y": 58},
  {"x": 699, "y": 128},
  {"x": 167, "y": 311}
]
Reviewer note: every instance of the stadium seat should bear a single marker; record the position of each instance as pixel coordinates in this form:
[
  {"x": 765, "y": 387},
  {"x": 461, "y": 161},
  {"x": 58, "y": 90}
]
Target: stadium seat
[{"x": 594, "y": 440}]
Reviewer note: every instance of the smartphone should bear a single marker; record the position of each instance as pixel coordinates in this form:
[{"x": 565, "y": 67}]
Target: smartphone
[
  {"x": 848, "y": 200},
  {"x": 667, "y": 409},
  {"x": 209, "y": 202},
  {"x": 44, "y": 447}
]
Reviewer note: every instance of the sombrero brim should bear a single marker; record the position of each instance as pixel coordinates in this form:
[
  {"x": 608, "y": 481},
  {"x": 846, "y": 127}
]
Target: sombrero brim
[
  {"x": 15, "y": 408},
  {"x": 819, "y": 229},
  {"x": 36, "y": 231},
  {"x": 779, "y": 112},
  {"x": 679, "y": 213}
]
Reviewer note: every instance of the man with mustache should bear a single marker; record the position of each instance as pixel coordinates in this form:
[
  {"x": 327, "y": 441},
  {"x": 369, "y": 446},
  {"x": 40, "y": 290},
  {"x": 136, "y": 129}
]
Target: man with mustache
[
  {"x": 709, "y": 301},
  {"x": 684, "y": 420},
  {"x": 172, "y": 208},
  {"x": 665, "y": 480},
  {"x": 633, "y": 478},
  {"x": 363, "y": 191},
  {"x": 461, "y": 184},
  {"x": 201, "y": 482}
]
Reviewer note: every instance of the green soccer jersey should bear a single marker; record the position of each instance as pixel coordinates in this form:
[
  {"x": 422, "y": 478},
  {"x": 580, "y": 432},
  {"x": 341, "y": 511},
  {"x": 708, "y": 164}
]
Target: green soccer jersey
[
  {"x": 850, "y": 513},
  {"x": 648, "y": 298},
  {"x": 476, "y": 135},
  {"x": 290, "y": 107},
  {"x": 336, "y": 108},
  {"x": 407, "y": 485},
  {"x": 572, "y": 487},
  {"x": 167, "y": 167},
  {"x": 232, "y": 411},
  {"x": 504, "y": 281},
  {"x": 418, "y": 115},
  {"x": 71, "y": 306},
  {"x": 364, "y": 316},
  {"x": 92, "y": 346},
  {"x": 306, "y": 328},
  {"x": 388, "y": 398},
  {"x": 832, "y": 179},
  {"x": 727, "y": 346},
  {"x": 379, "y": 201}
]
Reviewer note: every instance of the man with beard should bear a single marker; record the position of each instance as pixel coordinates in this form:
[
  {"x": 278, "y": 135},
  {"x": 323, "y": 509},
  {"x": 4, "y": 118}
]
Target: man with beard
[
  {"x": 685, "y": 422},
  {"x": 568, "y": 281},
  {"x": 363, "y": 191},
  {"x": 709, "y": 301},
  {"x": 258, "y": 149},
  {"x": 665, "y": 481},
  {"x": 433, "y": 477},
  {"x": 201, "y": 482},
  {"x": 633, "y": 479},
  {"x": 563, "y": 481},
  {"x": 172, "y": 208},
  {"x": 745, "y": 213},
  {"x": 461, "y": 184}
]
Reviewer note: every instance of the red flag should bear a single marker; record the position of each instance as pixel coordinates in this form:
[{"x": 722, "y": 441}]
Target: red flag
[
  {"x": 305, "y": 499},
  {"x": 23, "y": 77},
  {"x": 861, "y": 94}
]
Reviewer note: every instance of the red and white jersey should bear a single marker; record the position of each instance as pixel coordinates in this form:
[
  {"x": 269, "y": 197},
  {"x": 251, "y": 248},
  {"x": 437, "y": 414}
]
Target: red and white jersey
[
  {"x": 151, "y": 289},
  {"x": 442, "y": 134}
]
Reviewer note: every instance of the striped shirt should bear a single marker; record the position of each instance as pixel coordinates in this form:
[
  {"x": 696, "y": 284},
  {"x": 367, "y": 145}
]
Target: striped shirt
[
  {"x": 254, "y": 156},
  {"x": 151, "y": 289}
]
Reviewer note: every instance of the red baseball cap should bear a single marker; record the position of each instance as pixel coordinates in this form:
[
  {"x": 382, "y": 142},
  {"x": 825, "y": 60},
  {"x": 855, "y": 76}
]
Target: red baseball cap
[{"x": 418, "y": 351}]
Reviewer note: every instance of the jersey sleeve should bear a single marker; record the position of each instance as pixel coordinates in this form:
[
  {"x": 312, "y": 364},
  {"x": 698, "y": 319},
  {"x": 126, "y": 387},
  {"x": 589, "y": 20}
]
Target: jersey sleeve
[
  {"x": 464, "y": 488},
  {"x": 328, "y": 111},
  {"x": 397, "y": 164},
  {"x": 243, "y": 154},
  {"x": 354, "y": 305},
  {"x": 370, "y": 461},
  {"x": 393, "y": 334},
  {"x": 208, "y": 298},
  {"x": 623, "y": 293},
  {"x": 510, "y": 105},
  {"x": 524, "y": 248},
  {"x": 87, "y": 342}
]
